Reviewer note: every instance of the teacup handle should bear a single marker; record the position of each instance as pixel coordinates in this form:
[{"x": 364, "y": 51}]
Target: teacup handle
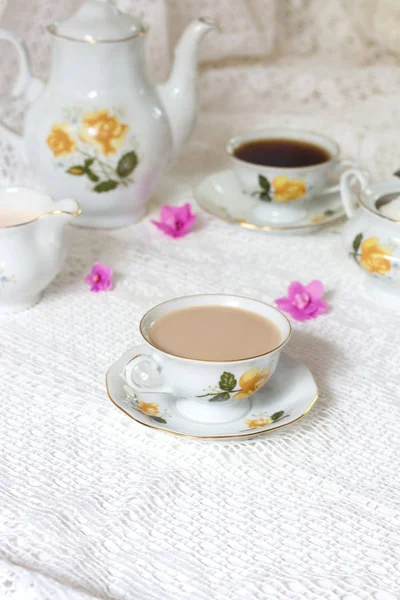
[
  {"x": 346, "y": 190},
  {"x": 143, "y": 374},
  {"x": 343, "y": 163}
]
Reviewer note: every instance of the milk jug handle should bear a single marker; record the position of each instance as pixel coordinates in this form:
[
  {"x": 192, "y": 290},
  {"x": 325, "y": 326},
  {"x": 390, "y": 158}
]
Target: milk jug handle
[{"x": 25, "y": 84}]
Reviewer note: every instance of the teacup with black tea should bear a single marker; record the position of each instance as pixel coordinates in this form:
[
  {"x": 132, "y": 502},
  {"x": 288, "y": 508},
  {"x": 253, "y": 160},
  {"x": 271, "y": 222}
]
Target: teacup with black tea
[
  {"x": 282, "y": 152},
  {"x": 284, "y": 169}
]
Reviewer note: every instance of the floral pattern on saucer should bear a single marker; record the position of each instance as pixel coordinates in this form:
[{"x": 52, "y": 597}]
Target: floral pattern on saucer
[
  {"x": 251, "y": 381},
  {"x": 151, "y": 409},
  {"x": 320, "y": 218},
  {"x": 263, "y": 419},
  {"x": 287, "y": 397}
]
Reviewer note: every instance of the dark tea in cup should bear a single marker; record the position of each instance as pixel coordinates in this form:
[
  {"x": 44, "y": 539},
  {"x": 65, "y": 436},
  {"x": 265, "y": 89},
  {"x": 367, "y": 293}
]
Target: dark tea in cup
[{"x": 282, "y": 152}]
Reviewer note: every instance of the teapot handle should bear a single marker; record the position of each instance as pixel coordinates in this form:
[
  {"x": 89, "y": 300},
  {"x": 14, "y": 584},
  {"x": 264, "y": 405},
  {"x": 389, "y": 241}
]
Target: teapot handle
[
  {"x": 25, "y": 84},
  {"x": 346, "y": 190}
]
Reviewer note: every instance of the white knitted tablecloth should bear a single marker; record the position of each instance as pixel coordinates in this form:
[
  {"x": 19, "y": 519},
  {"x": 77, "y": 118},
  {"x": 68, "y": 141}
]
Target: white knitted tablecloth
[{"x": 94, "y": 506}]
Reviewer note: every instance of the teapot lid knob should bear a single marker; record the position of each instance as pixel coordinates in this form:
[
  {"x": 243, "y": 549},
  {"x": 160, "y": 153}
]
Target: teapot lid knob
[{"x": 98, "y": 21}]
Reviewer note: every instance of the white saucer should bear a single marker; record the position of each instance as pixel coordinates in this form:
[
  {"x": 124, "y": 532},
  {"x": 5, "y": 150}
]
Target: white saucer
[
  {"x": 289, "y": 396},
  {"x": 219, "y": 195}
]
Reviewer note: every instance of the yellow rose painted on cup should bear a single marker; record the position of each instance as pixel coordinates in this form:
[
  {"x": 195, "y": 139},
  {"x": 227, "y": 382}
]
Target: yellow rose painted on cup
[
  {"x": 371, "y": 255},
  {"x": 281, "y": 189},
  {"x": 104, "y": 131},
  {"x": 287, "y": 190},
  {"x": 60, "y": 140},
  {"x": 228, "y": 387},
  {"x": 251, "y": 381}
]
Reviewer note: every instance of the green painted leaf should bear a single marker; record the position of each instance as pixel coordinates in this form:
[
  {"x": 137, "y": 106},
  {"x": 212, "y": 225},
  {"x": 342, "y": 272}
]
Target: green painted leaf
[
  {"x": 264, "y": 183},
  {"x": 277, "y": 415},
  {"x": 329, "y": 213},
  {"x": 157, "y": 419},
  {"x": 265, "y": 196},
  {"x": 77, "y": 170},
  {"x": 89, "y": 162},
  {"x": 127, "y": 163},
  {"x": 106, "y": 186},
  {"x": 222, "y": 397},
  {"x": 92, "y": 176},
  {"x": 227, "y": 381},
  {"x": 357, "y": 242}
]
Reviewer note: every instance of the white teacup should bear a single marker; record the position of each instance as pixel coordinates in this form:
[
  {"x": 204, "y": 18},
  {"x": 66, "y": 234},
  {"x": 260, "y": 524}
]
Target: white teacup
[
  {"x": 191, "y": 380},
  {"x": 285, "y": 191}
]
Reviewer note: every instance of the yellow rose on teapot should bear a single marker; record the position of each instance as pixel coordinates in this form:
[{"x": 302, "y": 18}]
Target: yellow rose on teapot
[{"x": 99, "y": 131}]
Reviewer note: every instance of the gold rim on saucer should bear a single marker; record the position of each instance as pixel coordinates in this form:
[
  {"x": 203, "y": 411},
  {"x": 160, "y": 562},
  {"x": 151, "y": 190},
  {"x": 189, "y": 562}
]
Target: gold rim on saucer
[
  {"x": 244, "y": 223},
  {"x": 219, "y": 210},
  {"x": 211, "y": 437}
]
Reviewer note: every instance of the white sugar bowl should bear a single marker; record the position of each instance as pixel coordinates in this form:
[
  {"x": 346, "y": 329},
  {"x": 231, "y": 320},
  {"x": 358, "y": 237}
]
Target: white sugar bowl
[{"x": 371, "y": 238}]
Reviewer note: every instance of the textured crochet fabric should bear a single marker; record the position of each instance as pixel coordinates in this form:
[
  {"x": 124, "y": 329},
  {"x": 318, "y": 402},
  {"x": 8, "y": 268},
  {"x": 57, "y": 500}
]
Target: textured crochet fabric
[{"x": 94, "y": 506}]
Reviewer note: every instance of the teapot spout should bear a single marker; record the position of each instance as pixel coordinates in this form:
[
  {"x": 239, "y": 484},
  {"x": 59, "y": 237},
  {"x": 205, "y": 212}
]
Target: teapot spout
[{"x": 179, "y": 93}]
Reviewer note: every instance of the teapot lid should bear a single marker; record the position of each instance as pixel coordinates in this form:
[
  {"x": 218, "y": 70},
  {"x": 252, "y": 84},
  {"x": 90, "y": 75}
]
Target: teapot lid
[{"x": 98, "y": 21}]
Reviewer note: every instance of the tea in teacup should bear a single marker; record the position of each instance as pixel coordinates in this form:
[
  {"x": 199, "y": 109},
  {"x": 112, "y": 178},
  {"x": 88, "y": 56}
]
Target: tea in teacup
[
  {"x": 212, "y": 352},
  {"x": 281, "y": 152},
  {"x": 217, "y": 333},
  {"x": 285, "y": 169}
]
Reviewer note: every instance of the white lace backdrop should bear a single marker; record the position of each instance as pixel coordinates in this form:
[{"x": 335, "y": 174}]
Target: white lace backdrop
[{"x": 93, "y": 505}]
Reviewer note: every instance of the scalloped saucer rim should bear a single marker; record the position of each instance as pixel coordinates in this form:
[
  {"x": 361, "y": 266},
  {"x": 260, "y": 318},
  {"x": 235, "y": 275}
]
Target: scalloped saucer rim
[{"x": 288, "y": 397}]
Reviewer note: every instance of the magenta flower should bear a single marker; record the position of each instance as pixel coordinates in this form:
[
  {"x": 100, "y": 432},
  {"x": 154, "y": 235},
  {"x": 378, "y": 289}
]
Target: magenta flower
[
  {"x": 176, "y": 221},
  {"x": 303, "y": 301},
  {"x": 99, "y": 278}
]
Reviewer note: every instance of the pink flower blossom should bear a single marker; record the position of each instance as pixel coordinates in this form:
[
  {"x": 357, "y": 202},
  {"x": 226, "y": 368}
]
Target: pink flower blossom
[
  {"x": 99, "y": 278},
  {"x": 303, "y": 301},
  {"x": 176, "y": 221}
]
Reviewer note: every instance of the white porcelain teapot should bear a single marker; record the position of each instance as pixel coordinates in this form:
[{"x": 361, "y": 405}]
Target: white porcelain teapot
[
  {"x": 31, "y": 244},
  {"x": 99, "y": 131},
  {"x": 371, "y": 239}
]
